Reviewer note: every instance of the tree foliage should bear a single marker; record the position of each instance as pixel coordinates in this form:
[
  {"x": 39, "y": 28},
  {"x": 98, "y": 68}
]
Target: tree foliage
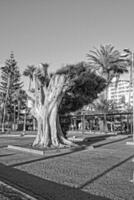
[
  {"x": 67, "y": 90},
  {"x": 84, "y": 87},
  {"x": 108, "y": 62},
  {"x": 10, "y": 82},
  {"x": 104, "y": 106},
  {"x": 10, "y": 76}
]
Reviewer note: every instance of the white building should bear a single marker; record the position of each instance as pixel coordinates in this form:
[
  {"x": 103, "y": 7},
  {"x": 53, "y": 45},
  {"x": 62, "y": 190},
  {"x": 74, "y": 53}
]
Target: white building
[{"x": 120, "y": 91}]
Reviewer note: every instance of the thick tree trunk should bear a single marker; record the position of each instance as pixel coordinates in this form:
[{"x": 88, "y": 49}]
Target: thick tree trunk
[{"x": 49, "y": 129}]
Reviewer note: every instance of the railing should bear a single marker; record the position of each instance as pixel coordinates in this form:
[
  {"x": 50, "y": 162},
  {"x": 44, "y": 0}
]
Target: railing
[{"x": 111, "y": 122}]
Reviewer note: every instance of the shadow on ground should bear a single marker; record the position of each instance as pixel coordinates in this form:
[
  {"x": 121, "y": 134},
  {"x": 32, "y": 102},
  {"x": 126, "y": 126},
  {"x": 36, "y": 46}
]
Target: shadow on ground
[
  {"x": 43, "y": 189},
  {"x": 83, "y": 145},
  {"x": 103, "y": 139}
]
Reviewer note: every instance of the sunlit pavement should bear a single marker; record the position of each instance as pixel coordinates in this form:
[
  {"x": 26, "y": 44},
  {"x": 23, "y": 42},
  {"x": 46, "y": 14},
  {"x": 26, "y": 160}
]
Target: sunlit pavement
[{"x": 100, "y": 173}]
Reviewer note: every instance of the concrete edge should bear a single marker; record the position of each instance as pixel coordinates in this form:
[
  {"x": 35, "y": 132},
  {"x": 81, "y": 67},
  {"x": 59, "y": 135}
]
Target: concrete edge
[
  {"x": 74, "y": 139},
  {"x": 90, "y": 148},
  {"x": 16, "y": 135},
  {"x": 40, "y": 152},
  {"x": 117, "y": 137}
]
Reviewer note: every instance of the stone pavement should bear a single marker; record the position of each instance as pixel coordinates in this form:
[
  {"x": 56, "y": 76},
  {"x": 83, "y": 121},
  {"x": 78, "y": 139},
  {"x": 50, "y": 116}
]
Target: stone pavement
[
  {"x": 101, "y": 173},
  {"x": 8, "y": 192}
]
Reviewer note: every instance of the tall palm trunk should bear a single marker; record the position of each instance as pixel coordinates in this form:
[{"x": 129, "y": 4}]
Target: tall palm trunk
[{"x": 104, "y": 114}]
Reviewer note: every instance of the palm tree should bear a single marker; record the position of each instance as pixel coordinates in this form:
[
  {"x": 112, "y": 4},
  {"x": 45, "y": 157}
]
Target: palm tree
[
  {"x": 29, "y": 71},
  {"x": 104, "y": 106},
  {"x": 108, "y": 63}
]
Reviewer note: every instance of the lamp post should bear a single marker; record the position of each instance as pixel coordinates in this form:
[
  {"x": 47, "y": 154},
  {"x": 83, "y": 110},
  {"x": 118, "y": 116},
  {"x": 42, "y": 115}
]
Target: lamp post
[
  {"x": 133, "y": 89},
  {"x": 132, "y": 75}
]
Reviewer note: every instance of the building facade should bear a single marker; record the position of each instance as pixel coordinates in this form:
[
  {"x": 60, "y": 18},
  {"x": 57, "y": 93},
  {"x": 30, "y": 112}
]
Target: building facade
[{"x": 121, "y": 93}]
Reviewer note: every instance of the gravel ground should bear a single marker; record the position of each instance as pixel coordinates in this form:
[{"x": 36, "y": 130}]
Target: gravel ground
[
  {"x": 9, "y": 193},
  {"x": 103, "y": 173}
]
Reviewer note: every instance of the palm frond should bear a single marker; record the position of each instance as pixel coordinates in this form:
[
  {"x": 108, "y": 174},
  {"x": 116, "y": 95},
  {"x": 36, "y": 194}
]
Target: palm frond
[{"x": 108, "y": 61}]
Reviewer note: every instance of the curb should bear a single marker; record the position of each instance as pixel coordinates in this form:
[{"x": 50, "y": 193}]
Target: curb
[
  {"x": 26, "y": 149},
  {"x": 16, "y": 135},
  {"x": 91, "y": 147}
]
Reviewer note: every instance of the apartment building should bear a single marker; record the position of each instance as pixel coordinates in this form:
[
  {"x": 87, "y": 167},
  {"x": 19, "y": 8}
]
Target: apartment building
[{"x": 120, "y": 93}]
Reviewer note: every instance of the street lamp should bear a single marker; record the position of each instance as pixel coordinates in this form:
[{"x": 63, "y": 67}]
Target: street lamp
[
  {"x": 133, "y": 89},
  {"x": 132, "y": 73}
]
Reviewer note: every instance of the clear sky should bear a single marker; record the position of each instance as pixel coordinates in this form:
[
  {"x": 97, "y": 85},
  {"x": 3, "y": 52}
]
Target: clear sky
[{"x": 63, "y": 31}]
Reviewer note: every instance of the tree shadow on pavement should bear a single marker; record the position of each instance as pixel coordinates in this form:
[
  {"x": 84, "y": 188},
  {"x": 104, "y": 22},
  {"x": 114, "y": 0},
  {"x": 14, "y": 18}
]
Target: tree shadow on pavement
[
  {"x": 100, "y": 141},
  {"x": 43, "y": 189},
  {"x": 83, "y": 145},
  {"x": 111, "y": 142}
]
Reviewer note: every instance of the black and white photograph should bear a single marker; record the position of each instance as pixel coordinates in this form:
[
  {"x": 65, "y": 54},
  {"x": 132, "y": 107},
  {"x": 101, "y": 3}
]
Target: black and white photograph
[{"x": 66, "y": 100}]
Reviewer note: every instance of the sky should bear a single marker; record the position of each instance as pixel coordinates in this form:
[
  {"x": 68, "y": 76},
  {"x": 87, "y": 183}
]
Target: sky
[{"x": 61, "y": 32}]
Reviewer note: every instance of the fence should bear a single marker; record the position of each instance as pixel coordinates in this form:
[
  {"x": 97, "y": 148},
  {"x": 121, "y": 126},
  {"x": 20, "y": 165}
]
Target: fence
[{"x": 113, "y": 122}]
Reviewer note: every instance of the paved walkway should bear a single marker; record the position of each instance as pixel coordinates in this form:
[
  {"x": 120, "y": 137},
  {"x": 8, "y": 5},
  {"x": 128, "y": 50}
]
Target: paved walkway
[{"x": 103, "y": 173}]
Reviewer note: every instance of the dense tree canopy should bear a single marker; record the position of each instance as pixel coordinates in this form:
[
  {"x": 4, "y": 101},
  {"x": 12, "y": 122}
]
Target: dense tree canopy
[{"x": 85, "y": 86}]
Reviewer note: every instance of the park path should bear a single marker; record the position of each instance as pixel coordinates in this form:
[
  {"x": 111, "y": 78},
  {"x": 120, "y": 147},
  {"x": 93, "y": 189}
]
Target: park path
[{"x": 101, "y": 173}]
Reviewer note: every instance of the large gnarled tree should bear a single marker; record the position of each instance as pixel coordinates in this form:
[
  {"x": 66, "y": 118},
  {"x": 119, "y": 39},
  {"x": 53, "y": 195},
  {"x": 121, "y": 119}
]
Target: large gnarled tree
[{"x": 74, "y": 85}]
